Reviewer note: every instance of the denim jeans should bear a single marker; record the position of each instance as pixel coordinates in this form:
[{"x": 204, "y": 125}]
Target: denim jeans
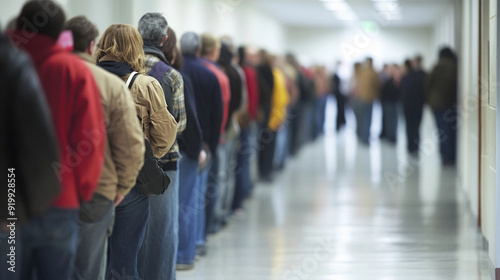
[
  {"x": 413, "y": 118},
  {"x": 389, "y": 120},
  {"x": 131, "y": 218},
  {"x": 446, "y": 120},
  {"x": 280, "y": 152},
  {"x": 229, "y": 175},
  {"x": 157, "y": 257},
  {"x": 96, "y": 224},
  {"x": 188, "y": 211},
  {"x": 215, "y": 187},
  {"x": 365, "y": 120},
  {"x": 201, "y": 204},
  {"x": 49, "y": 245},
  {"x": 243, "y": 179}
]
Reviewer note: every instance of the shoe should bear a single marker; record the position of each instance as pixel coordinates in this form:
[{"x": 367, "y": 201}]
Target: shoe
[
  {"x": 201, "y": 250},
  {"x": 182, "y": 267}
]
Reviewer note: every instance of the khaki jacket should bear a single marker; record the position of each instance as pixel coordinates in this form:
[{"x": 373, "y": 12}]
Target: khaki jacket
[
  {"x": 159, "y": 126},
  {"x": 124, "y": 150},
  {"x": 368, "y": 85}
]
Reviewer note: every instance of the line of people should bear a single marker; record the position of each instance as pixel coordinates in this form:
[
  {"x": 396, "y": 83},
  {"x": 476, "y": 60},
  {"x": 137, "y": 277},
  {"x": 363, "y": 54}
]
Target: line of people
[
  {"x": 130, "y": 151},
  {"x": 410, "y": 88}
]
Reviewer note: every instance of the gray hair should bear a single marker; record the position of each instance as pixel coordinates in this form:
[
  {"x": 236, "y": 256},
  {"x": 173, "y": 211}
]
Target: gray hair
[
  {"x": 153, "y": 27},
  {"x": 190, "y": 43}
]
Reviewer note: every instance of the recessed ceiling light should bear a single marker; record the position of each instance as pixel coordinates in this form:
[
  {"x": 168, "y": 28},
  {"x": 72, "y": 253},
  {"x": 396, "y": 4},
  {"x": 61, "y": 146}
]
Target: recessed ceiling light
[{"x": 336, "y": 6}]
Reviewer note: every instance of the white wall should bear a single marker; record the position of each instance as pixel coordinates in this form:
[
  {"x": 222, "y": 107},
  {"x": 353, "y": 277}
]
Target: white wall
[
  {"x": 236, "y": 18},
  {"x": 385, "y": 45}
]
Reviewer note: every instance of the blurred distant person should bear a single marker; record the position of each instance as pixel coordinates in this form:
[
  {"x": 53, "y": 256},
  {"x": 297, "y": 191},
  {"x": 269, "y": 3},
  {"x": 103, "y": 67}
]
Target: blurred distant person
[
  {"x": 28, "y": 147},
  {"x": 120, "y": 52},
  {"x": 50, "y": 241},
  {"x": 210, "y": 112},
  {"x": 322, "y": 88},
  {"x": 217, "y": 185},
  {"x": 354, "y": 94},
  {"x": 412, "y": 93},
  {"x": 190, "y": 146},
  {"x": 223, "y": 208},
  {"x": 124, "y": 156},
  {"x": 246, "y": 120},
  {"x": 441, "y": 95},
  {"x": 389, "y": 97},
  {"x": 339, "y": 97},
  {"x": 158, "y": 254},
  {"x": 267, "y": 137},
  {"x": 369, "y": 86}
]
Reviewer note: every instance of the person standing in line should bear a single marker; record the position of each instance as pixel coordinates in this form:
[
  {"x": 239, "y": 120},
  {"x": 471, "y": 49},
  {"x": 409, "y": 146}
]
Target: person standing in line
[
  {"x": 50, "y": 240},
  {"x": 28, "y": 147},
  {"x": 209, "y": 106},
  {"x": 158, "y": 254},
  {"x": 120, "y": 52},
  {"x": 267, "y": 137},
  {"x": 124, "y": 156},
  {"x": 225, "y": 62},
  {"x": 247, "y": 121},
  {"x": 441, "y": 95},
  {"x": 369, "y": 86},
  {"x": 217, "y": 184},
  {"x": 190, "y": 146},
  {"x": 322, "y": 88},
  {"x": 389, "y": 97},
  {"x": 339, "y": 97},
  {"x": 413, "y": 98}
]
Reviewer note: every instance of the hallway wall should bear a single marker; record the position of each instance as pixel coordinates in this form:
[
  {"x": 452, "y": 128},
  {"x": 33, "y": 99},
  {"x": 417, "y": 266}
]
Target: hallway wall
[
  {"x": 237, "y": 18},
  {"x": 384, "y": 44}
]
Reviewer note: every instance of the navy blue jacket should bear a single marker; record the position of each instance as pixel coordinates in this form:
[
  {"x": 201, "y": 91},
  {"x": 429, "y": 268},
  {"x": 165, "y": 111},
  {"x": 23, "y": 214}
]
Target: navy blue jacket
[
  {"x": 190, "y": 141},
  {"x": 208, "y": 97}
]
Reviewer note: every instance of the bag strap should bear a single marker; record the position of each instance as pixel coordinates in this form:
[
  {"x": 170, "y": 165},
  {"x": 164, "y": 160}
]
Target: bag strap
[{"x": 131, "y": 79}]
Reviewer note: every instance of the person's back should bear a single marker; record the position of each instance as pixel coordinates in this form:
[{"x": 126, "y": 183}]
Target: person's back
[
  {"x": 369, "y": 84},
  {"x": 441, "y": 88},
  {"x": 208, "y": 99},
  {"x": 78, "y": 119}
]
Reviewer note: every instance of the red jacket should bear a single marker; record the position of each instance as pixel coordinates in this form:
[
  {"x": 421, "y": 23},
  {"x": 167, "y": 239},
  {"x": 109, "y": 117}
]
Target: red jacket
[
  {"x": 253, "y": 90},
  {"x": 77, "y": 116}
]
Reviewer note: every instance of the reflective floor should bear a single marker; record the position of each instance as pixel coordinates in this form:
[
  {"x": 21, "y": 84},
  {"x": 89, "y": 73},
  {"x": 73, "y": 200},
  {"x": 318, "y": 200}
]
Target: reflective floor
[{"x": 345, "y": 211}]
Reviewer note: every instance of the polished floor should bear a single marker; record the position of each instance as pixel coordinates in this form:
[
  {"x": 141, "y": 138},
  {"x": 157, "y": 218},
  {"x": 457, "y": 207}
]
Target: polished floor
[{"x": 345, "y": 211}]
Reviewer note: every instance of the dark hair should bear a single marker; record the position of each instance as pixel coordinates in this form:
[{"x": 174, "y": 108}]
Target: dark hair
[
  {"x": 408, "y": 65},
  {"x": 226, "y": 55},
  {"x": 169, "y": 48},
  {"x": 83, "y": 31},
  {"x": 43, "y": 16},
  {"x": 446, "y": 52},
  {"x": 241, "y": 56},
  {"x": 418, "y": 60}
]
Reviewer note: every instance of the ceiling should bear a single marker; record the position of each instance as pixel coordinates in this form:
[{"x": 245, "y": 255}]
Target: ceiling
[{"x": 312, "y": 13}]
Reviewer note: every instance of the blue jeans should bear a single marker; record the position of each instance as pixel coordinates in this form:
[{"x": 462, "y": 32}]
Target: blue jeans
[
  {"x": 215, "y": 189},
  {"x": 49, "y": 245},
  {"x": 390, "y": 120},
  {"x": 96, "y": 224},
  {"x": 446, "y": 120},
  {"x": 201, "y": 204},
  {"x": 131, "y": 218},
  {"x": 188, "y": 211},
  {"x": 242, "y": 184},
  {"x": 157, "y": 256},
  {"x": 280, "y": 152},
  {"x": 365, "y": 120}
]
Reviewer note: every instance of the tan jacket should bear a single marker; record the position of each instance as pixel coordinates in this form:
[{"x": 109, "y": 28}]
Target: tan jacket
[
  {"x": 368, "y": 85},
  {"x": 160, "y": 127},
  {"x": 124, "y": 150}
]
